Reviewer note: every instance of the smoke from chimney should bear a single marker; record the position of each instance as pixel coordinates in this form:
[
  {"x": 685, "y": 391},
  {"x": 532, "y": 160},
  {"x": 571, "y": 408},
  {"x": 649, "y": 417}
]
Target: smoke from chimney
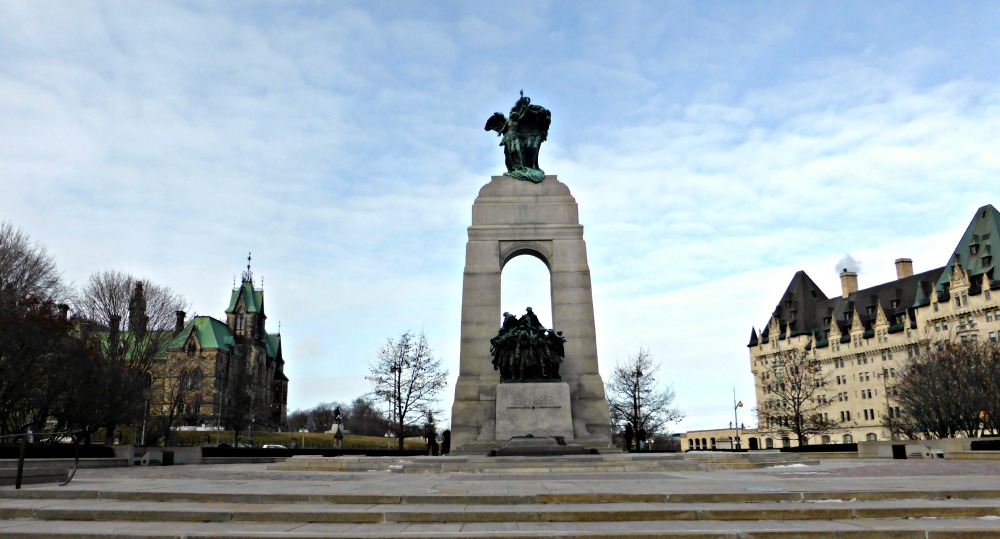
[{"x": 849, "y": 264}]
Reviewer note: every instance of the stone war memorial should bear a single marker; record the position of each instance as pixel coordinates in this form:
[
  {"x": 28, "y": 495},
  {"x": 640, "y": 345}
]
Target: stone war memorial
[{"x": 516, "y": 378}]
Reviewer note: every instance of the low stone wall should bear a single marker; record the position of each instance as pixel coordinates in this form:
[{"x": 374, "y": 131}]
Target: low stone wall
[
  {"x": 65, "y": 463},
  {"x": 953, "y": 448}
]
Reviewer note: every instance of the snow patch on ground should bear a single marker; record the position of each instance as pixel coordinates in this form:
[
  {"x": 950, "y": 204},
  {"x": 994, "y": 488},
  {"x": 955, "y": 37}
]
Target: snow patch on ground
[
  {"x": 832, "y": 501},
  {"x": 990, "y": 517},
  {"x": 789, "y": 465}
]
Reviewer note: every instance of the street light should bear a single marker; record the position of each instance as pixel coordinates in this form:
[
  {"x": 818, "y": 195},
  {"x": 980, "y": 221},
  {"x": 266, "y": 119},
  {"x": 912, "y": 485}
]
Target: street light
[{"x": 736, "y": 419}]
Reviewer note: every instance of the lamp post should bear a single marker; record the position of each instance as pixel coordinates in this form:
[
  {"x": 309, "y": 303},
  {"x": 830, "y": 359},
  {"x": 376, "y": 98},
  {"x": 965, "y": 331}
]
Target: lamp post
[
  {"x": 253, "y": 419},
  {"x": 736, "y": 419}
]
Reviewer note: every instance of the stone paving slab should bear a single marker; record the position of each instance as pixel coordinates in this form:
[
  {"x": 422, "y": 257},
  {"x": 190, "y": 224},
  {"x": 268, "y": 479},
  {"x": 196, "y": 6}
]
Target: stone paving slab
[{"x": 858, "y": 529}]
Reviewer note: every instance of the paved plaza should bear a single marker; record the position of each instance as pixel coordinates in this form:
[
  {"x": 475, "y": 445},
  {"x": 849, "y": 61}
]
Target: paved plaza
[{"x": 831, "y": 498}]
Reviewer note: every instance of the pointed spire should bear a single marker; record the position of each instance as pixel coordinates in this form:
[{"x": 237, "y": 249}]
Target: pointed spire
[{"x": 248, "y": 274}]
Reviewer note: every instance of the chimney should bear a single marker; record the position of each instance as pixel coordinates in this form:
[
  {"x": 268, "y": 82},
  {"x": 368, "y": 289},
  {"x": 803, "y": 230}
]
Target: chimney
[
  {"x": 114, "y": 327},
  {"x": 63, "y": 311},
  {"x": 179, "y": 325},
  {"x": 848, "y": 282},
  {"x": 904, "y": 268}
]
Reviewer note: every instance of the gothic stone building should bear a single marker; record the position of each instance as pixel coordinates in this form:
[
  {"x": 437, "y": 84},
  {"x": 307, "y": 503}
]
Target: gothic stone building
[
  {"x": 864, "y": 337},
  {"x": 230, "y": 372}
]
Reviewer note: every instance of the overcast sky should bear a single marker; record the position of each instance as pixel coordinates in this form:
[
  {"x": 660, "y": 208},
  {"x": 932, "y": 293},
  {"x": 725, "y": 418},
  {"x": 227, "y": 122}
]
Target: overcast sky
[{"x": 714, "y": 148}]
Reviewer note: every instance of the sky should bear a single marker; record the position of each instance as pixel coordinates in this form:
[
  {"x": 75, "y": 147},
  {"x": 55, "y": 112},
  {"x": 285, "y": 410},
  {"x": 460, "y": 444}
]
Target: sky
[{"x": 714, "y": 148}]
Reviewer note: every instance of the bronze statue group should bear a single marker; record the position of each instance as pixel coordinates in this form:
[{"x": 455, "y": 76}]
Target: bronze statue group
[{"x": 524, "y": 350}]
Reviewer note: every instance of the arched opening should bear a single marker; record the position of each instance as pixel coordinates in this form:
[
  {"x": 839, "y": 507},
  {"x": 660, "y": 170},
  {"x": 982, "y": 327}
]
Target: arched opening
[
  {"x": 786, "y": 441},
  {"x": 872, "y": 437},
  {"x": 848, "y": 439},
  {"x": 825, "y": 440},
  {"x": 526, "y": 282},
  {"x": 753, "y": 444},
  {"x": 769, "y": 443},
  {"x": 713, "y": 443}
]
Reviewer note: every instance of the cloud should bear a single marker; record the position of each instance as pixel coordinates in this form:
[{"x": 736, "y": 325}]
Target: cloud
[{"x": 712, "y": 150}]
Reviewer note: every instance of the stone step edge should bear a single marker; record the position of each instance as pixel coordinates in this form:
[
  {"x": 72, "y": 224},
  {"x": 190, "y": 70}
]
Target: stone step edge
[
  {"x": 861, "y": 529},
  {"x": 497, "y": 499},
  {"x": 474, "y": 516}
]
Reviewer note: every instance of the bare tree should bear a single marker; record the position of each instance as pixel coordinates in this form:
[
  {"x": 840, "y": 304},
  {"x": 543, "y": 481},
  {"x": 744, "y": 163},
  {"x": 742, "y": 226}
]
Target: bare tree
[
  {"x": 360, "y": 417},
  {"x": 26, "y": 269},
  {"x": 794, "y": 395},
  {"x": 635, "y": 397},
  {"x": 39, "y": 355},
  {"x": 947, "y": 391},
  {"x": 135, "y": 320},
  {"x": 363, "y": 417},
  {"x": 407, "y": 377},
  {"x": 298, "y": 420}
]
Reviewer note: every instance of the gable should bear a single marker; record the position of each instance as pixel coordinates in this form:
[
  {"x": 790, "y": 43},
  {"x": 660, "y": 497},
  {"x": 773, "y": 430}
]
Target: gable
[{"x": 974, "y": 253}]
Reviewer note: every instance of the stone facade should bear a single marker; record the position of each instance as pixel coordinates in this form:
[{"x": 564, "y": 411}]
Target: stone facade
[
  {"x": 215, "y": 371},
  {"x": 722, "y": 439},
  {"x": 863, "y": 337},
  {"x": 511, "y": 218}
]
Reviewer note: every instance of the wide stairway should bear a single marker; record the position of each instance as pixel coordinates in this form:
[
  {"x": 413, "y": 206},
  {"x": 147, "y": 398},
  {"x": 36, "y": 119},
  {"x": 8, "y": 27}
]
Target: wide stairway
[
  {"x": 634, "y": 462},
  {"x": 527, "y": 501},
  {"x": 135, "y": 514}
]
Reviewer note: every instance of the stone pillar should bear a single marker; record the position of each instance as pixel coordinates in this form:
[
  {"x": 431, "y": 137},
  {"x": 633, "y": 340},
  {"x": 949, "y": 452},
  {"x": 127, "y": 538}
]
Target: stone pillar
[{"x": 510, "y": 218}]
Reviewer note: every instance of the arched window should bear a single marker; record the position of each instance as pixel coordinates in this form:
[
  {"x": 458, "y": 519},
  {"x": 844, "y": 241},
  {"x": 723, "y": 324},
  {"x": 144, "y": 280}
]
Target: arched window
[
  {"x": 704, "y": 443},
  {"x": 872, "y": 437},
  {"x": 768, "y": 443},
  {"x": 713, "y": 443},
  {"x": 690, "y": 444},
  {"x": 185, "y": 379},
  {"x": 241, "y": 322},
  {"x": 195, "y": 380},
  {"x": 848, "y": 439},
  {"x": 786, "y": 441},
  {"x": 191, "y": 349},
  {"x": 826, "y": 439},
  {"x": 697, "y": 443}
]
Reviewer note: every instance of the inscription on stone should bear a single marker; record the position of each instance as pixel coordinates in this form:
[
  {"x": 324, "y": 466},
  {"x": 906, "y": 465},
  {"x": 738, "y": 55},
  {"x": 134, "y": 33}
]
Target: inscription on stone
[
  {"x": 536, "y": 409},
  {"x": 533, "y": 402}
]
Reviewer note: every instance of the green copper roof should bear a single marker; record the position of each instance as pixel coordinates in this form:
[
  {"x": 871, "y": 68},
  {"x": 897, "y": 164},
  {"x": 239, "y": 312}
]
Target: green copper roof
[
  {"x": 253, "y": 299},
  {"x": 979, "y": 243},
  {"x": 210, "y": 333},
  {"x": 273, "y": 345}
]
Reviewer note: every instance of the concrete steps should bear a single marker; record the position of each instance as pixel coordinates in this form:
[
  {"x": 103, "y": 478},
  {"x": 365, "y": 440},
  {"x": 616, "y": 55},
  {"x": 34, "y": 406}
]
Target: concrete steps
[
  {"x": 124, "y": 514},
  {"x": 635, "y": 462}
]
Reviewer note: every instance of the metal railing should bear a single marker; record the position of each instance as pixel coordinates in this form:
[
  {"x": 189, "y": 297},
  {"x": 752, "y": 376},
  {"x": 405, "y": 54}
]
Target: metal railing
[{"x": 24, "y": 448}]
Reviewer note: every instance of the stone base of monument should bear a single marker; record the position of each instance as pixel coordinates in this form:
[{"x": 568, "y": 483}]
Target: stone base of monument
[
  {"x": 537, "y": 409},
  {"x": 530, "y": 446}
]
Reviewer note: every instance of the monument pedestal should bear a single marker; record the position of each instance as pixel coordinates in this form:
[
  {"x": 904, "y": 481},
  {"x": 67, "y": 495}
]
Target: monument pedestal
[{"x": 540, "y": 409}]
